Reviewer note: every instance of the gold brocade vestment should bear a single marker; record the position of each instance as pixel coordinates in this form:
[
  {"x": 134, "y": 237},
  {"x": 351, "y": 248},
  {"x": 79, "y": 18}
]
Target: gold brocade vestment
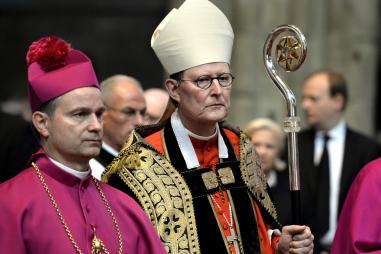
[{"x": 171, "y": 203}]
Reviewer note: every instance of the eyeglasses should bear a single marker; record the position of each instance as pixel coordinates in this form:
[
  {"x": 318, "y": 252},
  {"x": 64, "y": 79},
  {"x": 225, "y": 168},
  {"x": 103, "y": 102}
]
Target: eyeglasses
[
  {"x": 205, "y": 81},
  {"x": 130, "y": 112}
]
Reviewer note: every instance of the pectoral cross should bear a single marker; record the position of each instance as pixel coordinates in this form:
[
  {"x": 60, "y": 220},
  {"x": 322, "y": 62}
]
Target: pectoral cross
[{"x": 234, "y": 240}]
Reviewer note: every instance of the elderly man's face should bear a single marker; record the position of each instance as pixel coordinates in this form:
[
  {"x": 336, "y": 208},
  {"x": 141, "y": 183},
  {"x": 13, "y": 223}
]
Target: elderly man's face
[
  {"x": 73, "y": 133},
  {"x": 125, "y": 110},
  {"x": 200, "y": 108}
]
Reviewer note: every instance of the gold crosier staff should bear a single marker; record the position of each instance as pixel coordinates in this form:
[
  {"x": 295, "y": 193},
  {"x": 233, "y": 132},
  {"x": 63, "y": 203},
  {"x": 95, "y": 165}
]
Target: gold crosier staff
[{"x": 290, "y": 52}]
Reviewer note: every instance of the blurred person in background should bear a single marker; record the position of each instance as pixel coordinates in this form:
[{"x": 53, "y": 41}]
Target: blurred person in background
[
  {"x": 156, "y": 100},
  {"x": 268, "y": 138},
  {"x": 125, "y": 109},
  {"x": 18, "y": 142},
  {"x": 330, "y": 153}
]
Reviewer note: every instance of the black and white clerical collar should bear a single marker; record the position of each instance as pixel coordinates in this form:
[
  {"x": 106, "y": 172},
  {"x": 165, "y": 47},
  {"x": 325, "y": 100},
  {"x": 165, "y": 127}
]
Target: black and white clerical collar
[{"x": 185, "y": 144}]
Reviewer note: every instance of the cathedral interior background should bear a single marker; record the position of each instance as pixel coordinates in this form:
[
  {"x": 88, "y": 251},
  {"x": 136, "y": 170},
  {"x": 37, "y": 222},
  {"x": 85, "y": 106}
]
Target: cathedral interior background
[{"x": 342, "y": 35}]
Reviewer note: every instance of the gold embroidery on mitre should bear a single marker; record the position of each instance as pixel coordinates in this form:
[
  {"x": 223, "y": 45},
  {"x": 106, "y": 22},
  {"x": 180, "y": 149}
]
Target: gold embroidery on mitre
[
  {"x": 253, "y": 176},
  {"x": 163, "y": 194}
]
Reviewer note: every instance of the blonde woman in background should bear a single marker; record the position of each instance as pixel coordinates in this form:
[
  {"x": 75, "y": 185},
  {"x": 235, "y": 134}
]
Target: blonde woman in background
[{"x": 267, "y": 138}]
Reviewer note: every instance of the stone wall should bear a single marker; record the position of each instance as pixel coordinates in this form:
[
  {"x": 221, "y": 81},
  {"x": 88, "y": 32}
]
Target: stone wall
[{"x": 342, "y": 35}]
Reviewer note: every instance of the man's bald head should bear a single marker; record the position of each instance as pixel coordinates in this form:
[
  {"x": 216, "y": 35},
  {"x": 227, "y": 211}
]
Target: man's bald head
[
  {"x": 156, "y": 100},
  {"x": 108, "y": 85},
  {"x": 125, "y": 108}
]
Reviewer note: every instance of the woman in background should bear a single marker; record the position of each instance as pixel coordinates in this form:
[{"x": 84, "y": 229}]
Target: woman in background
[{"x": 267, "y": 138}]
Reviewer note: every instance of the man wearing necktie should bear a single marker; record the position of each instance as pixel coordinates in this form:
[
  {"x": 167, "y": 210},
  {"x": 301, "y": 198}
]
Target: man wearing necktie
[
  {"x": 331, "y": 153},
  {"x": 324, "y": 187}
]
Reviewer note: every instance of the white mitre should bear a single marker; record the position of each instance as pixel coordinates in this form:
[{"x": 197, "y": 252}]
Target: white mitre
[{"x": 194, "y": 34}]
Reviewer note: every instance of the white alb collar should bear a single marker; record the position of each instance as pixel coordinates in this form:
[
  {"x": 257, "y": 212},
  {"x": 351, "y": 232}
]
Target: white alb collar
[
  {"x": 109, "y": 149},
  {"x": 337, "y": 132},
  {"x": 80, "y": 174},
  {"x": 182, "y": 137}
]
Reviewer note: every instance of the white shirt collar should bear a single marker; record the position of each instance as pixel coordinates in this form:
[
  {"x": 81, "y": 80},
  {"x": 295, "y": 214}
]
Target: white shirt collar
[
  {"x": 336, "y": 147},
  {"x": 81, "y": 175},
  {"x": 337, "y": 132},
  {"x": 206, "y": 138},
  {"x": 272, "y": 179},
  {"x": 185, "y": 144},
  {"x": 109, "y": 149}
]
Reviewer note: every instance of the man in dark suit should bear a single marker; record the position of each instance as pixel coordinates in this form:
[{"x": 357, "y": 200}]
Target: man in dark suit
[
  {"x": 125, "y": 109},
  {"x": 331, "y": 153}
]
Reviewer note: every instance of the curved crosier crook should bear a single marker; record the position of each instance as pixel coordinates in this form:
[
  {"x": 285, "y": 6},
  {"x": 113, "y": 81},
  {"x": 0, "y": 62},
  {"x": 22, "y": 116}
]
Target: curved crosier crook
[{"x": 291, "y": 52}]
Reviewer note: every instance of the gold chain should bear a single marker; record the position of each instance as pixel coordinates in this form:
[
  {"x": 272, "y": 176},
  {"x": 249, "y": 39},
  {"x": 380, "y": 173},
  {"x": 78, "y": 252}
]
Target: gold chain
[
  {"x": 97, "y": 244},
  {"x": 116, "y": 226}
]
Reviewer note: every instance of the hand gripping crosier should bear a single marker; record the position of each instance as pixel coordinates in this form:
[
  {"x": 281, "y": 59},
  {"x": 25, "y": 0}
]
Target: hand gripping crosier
[{"x": 290, "y": 52}]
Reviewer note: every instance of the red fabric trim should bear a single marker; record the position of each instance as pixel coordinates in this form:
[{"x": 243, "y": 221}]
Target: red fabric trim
[
  {"x": 155, "y": 141},
  {"x": 207, "y": 154},
  {"x": 266, "y": 246}
]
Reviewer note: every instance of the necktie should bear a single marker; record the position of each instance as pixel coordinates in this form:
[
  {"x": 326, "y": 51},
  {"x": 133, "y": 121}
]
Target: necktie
[{"x": 323, "y": 190}]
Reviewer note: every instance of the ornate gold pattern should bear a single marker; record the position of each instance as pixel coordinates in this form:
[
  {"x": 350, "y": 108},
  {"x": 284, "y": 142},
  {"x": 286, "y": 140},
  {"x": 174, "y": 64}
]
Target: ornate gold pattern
[
  {"x": 210, "y": 180},
  {"x": 253, "y": 176},
  {"x": 165, "y": 196},
  {"x": 226, "y": 175},
  {"x": 289, "y": 53},
  {"x": 162, "y": 192}
]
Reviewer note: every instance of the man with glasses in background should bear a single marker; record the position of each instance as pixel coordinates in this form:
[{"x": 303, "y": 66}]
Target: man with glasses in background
[
  {"x": 197, "y": 178},
  {"x": 125, "y": 109}
]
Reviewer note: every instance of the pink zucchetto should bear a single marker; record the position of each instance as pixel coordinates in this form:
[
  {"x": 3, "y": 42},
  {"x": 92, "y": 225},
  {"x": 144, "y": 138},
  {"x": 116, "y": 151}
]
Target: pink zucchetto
[{"x": 54, "y": 68}]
